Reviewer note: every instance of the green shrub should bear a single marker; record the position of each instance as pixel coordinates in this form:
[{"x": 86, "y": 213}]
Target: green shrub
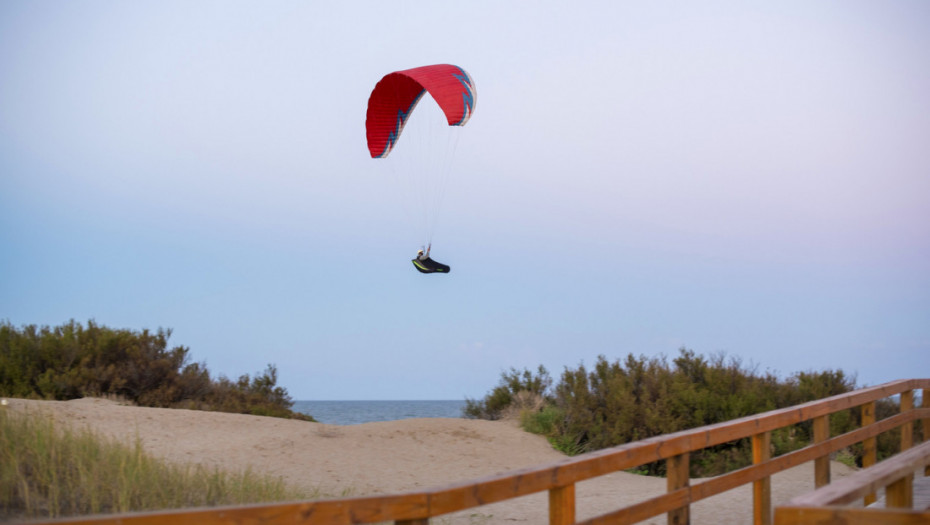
[
  {"x": 624, "y": 401},
  {"x": 72, "y": 361},
  {"x": 545, "y": 421}
]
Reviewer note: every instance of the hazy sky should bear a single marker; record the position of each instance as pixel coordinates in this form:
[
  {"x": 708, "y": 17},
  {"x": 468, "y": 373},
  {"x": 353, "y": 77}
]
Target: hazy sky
[{"x": 742, "y": 177}]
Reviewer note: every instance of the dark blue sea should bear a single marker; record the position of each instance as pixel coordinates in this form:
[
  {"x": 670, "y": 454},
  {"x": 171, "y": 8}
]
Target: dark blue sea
[{"x": 355, "y": 412}]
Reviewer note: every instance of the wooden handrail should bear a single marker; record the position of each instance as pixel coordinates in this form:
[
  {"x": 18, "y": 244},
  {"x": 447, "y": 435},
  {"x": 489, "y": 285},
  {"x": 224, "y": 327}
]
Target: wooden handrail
[
  {"x": 811, "y": 508},
  {"x": 851, "y": 488},
  {"x": 560, "y": 477}
]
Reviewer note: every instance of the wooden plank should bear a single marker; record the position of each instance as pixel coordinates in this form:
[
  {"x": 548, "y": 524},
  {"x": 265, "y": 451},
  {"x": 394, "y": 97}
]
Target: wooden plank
[
  {"x": 562, "y": 505},
  {"x": 851, "y": 488},
  {"x": 868, "y": 446},
  {"x": 848, "y": 516},
  {"x": 678, "y": 476},
  {"x": 762, "y": 488},
  {"x": 921, "y": 492},
  {"x": 821, "y": 464},
  {"x": 642, "y": 510},
  {"x": 491, "y": 489}
]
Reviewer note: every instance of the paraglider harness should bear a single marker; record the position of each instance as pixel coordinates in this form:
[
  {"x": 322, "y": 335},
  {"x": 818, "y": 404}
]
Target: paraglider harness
[{"x": 424, "y": 264}]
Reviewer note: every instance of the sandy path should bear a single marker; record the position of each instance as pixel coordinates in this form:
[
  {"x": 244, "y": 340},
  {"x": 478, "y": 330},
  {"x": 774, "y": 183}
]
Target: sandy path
[{"x": 389, "y": 457}]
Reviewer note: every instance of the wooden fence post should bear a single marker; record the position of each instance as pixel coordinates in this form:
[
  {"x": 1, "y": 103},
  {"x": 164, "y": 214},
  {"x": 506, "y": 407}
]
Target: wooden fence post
[
  {"x": 925, "y": 423},
  {"x": 899, "y": 494},
  {"x": 562, "y": 505},
  {"x": 678, "y": 476},
  {"x": 762, "y": 489},
  {"x": 869, "y": 445},
  {"x": 907, "y": 430},
  {"x": 907, "y": 441},
  {"x": 822, "y": 464}
]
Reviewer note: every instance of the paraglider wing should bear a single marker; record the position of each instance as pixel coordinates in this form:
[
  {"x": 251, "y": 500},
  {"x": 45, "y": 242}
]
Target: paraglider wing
[
  {"x": 428, "y": 265},
  {"x": 397, "y": 94}
]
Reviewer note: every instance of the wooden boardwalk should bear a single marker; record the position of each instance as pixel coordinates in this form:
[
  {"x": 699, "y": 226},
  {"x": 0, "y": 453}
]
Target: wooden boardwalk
[{"x": 921, "y": 492}]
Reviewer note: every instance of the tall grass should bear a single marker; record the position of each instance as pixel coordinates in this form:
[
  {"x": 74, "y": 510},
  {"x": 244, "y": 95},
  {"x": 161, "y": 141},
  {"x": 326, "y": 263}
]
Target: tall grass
[{"x": 47, "y": 471}]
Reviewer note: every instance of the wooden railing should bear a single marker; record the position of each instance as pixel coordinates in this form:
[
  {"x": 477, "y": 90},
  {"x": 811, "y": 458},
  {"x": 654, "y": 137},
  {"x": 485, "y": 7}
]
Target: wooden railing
[
  {"x": 826, "y": 504},
  {"x": 559, "y": 479}
]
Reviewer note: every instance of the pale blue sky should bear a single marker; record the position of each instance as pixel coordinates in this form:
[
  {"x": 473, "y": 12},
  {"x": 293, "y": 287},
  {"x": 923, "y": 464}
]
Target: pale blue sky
[{"x": 746, "y": 177}]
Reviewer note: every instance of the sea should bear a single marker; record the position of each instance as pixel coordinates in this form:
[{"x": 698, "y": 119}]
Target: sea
[{"x": 356, "y": 412}]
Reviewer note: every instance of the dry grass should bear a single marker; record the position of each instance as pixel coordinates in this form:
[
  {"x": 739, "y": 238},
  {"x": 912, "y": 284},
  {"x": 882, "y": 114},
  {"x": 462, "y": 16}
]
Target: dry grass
[
  {"x": 524, "y": 402},
  {"x": 47, "y": 471}
]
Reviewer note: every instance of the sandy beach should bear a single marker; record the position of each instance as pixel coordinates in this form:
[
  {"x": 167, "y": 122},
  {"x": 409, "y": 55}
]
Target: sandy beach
[{"x": 388, "y": 457}]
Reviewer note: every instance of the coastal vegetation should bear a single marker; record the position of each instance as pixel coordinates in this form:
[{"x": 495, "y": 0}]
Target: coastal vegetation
[
  {"x": 612, "y": 403},
  {"x": 639, "y": 397},
  {"x": 73, "y": 361},
  {"x": 49, "y": 472}
]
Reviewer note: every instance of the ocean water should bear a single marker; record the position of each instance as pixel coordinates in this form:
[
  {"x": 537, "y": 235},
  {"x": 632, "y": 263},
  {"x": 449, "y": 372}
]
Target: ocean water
[{"x": 355, "y": 412}]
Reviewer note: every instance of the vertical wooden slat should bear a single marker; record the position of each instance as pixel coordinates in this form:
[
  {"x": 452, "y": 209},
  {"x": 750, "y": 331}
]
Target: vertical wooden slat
[
  {"x": 907, "y": 430},
  {"x": 899, "y": 494},
  {"x": 678, "y": 476},
  {"x": 822, "y": 464},
  {"x": 562, "y": 505},
  {"x": 761, "y": 489},
  {"x": 925, "y": 423},
  {"x": 907, "y": 440},
  {"x": 869, "y": 445}
]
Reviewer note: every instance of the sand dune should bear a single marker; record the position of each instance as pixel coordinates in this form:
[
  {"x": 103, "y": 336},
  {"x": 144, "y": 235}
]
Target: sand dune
[{"x": 388, "y": 457}]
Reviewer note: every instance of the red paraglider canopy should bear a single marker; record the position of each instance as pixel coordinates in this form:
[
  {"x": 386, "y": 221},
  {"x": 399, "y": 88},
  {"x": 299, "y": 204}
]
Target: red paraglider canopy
[{"x": 394, "y": 97}]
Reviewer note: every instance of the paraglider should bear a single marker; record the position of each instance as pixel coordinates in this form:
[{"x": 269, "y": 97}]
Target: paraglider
[
  {"x": 424, "y": 264},
  {"x": 390, "y": 106}
]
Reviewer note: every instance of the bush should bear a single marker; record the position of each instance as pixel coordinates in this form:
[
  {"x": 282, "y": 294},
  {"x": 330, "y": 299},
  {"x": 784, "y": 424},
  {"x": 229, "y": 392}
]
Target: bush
[
  {"x": 72, "y": 361},
  {"x": 624, "y": 401}
]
